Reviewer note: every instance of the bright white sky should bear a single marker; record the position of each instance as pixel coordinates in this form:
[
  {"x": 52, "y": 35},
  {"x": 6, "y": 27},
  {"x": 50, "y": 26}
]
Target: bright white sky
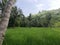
[{"x": 33, "y": 6}]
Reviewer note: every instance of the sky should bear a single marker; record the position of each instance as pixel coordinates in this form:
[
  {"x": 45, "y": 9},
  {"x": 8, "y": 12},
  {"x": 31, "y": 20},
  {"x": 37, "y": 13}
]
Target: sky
[{"x": 34, "y": 6}]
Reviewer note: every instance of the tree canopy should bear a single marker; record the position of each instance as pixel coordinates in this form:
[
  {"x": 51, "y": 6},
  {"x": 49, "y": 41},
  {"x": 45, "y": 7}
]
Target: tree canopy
[{"x": 41, "y": 19}]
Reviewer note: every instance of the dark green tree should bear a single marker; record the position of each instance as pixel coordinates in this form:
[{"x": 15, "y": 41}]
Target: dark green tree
[
  {"x": 29, "y": 20},
  {"x": 13, "y": 17},
  {"x": 48, "y": 19},
  {"x": 21, "y": 18}
]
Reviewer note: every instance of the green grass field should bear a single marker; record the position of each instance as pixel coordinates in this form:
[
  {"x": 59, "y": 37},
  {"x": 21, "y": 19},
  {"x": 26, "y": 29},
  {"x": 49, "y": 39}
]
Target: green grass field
[{"x": 32, "y": 36}]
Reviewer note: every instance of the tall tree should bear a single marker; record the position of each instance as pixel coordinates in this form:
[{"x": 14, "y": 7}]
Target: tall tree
[
  {"x": 29, "y": 19},
  {"x": 21, "y": 18},
  {"x": 13, "y": 17},
  {"x": 23, "y": 21},
  {"x": 48, "y": 19},
  {"x": 5, "y": 19}
]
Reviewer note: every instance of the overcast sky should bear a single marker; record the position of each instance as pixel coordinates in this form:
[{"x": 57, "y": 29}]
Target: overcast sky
[{"x": 33, "y": 6}]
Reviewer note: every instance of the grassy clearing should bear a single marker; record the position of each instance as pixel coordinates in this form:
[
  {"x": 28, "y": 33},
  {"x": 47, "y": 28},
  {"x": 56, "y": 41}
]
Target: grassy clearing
[{"x": 32, "y": 36}]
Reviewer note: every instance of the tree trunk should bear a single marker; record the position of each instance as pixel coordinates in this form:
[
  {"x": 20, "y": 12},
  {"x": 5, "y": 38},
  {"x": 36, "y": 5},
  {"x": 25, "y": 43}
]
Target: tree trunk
[{"x": 5, "y": 19}]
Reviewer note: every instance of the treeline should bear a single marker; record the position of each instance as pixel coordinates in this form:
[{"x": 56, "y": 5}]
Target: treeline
[
  {"x": 41, "y": 19},
  {"x": 17, "y": 19}
]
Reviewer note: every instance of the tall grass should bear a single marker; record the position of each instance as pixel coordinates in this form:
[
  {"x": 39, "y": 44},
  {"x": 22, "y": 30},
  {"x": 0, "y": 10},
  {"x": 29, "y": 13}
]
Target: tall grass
[{"x": 32, "y": 36}]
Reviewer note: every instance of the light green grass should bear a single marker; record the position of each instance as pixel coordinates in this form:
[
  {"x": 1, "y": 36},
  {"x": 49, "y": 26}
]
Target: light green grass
[{"x": 32, "y": 36}]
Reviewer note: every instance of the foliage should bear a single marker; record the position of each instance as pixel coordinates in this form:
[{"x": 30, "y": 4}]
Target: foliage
[
  {"x": 41, "y": 19},
  {"x": 57, "y": 24},
  {"x": 15, "y": 17}
]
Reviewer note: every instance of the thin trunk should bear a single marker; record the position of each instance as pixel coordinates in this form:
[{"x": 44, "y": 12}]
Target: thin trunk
[{"x": 5, "y": 19}]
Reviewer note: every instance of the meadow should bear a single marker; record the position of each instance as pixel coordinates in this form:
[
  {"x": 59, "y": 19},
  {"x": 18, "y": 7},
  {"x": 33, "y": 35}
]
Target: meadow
[{"x": 32, "y": 36}]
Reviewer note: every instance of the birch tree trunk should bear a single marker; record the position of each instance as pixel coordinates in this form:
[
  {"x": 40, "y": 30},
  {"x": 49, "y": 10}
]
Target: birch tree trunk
[{"x": 5, "y": 19}]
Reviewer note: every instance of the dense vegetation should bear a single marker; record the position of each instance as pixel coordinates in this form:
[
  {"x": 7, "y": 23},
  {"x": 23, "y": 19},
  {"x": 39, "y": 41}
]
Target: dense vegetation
[
  {"x": 41, "y": 19},
  {"x": 44, "y": 18},
  {"x": 32, "y": 36}
]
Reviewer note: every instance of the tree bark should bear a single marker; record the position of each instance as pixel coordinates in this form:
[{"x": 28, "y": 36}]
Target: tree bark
[{"x": 5, "y": 19}]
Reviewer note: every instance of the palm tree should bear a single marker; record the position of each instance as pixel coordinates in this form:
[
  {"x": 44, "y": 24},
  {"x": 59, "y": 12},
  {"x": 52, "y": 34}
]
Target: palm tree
[{"x": 5, "y": 19}]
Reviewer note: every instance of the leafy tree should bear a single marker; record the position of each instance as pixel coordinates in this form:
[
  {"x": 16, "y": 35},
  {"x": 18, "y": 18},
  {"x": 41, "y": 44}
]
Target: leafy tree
[
  {"x": 29, "y": 19},
  {"x": 23, "y": 21},
  {"x": 48, "y": 19},
  {"x": 14, "y": 15}
]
